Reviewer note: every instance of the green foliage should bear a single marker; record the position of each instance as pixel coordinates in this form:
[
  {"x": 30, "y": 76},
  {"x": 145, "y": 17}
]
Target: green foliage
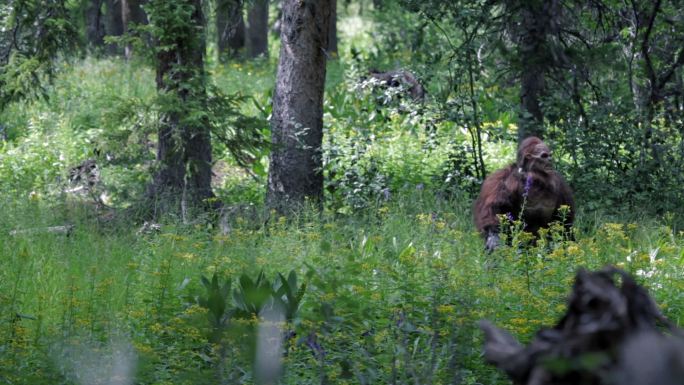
[
  {"x": 32, "y": 35},
  {"x": 608, "y": 114},
  {"x": 107, "y": 110},
  {"x": 252, "y": 296},
  {"x": 171, "y": 21},
  {"x": 395, "y": 276},
  {"x": 244, "y": 137},
  {"x": 374, "y": 149},
  {"x": 256, "y": 303},
  {"x": 216, "y": 300},
  {"x": 392, "y": 293},
  {"x": 110, "y": 113},
  {"x": 287, "y": 295}
]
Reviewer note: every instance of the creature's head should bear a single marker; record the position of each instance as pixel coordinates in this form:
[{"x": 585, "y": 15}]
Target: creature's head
[{"x": 534, "y": 155}]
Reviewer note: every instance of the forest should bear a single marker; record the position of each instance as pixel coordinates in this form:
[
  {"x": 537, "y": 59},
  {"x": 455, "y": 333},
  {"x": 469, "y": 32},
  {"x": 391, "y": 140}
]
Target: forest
[{"x": 341, "y": 192}]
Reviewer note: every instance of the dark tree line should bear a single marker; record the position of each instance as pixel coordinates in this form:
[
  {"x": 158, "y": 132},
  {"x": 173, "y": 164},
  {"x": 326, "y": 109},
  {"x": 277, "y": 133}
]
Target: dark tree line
[
  {"x": 241, "y": 26},
  {"x": 112, "y": 18},
  {"x": 230, "y": 27},
  {"x": 175, "y": 33},
  {"x": 183, "y": 137},
  {"x": 602, "y": 80},
  {"x": 32, "y": 36},
  {"x": 550, "y": 44}
]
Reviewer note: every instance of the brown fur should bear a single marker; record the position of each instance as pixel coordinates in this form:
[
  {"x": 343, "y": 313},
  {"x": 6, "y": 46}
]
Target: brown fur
[
  {"x": 503, "y": 192},
  {"x": 398, "y": 78}
]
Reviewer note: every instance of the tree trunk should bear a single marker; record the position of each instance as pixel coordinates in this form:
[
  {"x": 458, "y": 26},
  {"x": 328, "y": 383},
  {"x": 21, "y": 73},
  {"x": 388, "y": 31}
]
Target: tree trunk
[
  {"x": 257, "y": 29},
  {"x": 184, "y": 144},
  {"x": 113, "y": 24},
  {"x": 531, "y": 120},
  {"x": 230, "y": 27},
  {"x": 94, "y": 26},
  {"x": 332, "y": 34},
  {"x": 126, "y": 23},
  {"x": 131, "y": 13},
  {"x": 236, "y": 42},
  {"x": 297, "y": 123},
  {"x": 275, "y": 29},
  {"x": 537, "y": 20}
]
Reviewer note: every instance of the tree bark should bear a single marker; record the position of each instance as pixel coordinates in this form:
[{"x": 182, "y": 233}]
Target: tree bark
[
  {"x": 94, "y": 26},
  {"x": 113, "y": 24},
  {"x": 297, "y": 123},
  {"x": 531, "y": 121},
  {"x": 184, "y": 144},
  {"x": 257, "y": 29},
  {"x": 537, "y": 19},
  {"x": 230, "y": 27},
  {"x": 131, "y": 13},
  {"x": 332, "y": 29}
]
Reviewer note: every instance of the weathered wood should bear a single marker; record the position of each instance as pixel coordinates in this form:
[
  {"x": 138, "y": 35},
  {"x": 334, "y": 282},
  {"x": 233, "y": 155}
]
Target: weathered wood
[
  {"x": 606, "y": 327},
  {"x": 65, "y": 229}
]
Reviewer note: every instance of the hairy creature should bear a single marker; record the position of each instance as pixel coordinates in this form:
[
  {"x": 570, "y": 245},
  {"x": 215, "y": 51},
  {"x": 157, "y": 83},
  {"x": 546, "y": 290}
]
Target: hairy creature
[
  {"x": 400, "y": 78},
  {"x": 529, "y": 189}
]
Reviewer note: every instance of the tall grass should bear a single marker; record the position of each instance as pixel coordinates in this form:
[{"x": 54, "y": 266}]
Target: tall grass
[
  {"x": 393, "y": 293},
  {"x": 394, "y": 287}
]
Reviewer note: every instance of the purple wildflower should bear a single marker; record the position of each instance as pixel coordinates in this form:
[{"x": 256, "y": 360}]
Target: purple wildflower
[
  {"x": 419, "y": 186},
  {"x": 510, "y": 216},
  {"x": 400, "y": 319},
  {"x": 528, "y": 184},
  {"x": 316, "y": 348},
  {"x": 386, "y": 193}
]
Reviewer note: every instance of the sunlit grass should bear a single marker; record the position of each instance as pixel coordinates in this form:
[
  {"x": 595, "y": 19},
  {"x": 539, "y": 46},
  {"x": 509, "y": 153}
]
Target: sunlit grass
[
  {"x": 394, "y": 288},
  {"x": 414, "y": 257}
]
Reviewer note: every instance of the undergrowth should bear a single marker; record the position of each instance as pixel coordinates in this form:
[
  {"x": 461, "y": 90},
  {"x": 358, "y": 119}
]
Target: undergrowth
[
  {"x": 385, "y": 286},
  {"x": 391, "y": 295}
]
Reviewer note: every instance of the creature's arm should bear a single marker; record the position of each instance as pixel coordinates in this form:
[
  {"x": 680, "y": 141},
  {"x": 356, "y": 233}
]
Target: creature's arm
[
  {"x": 497, "y": 197},
  {"x": 492, "y": 241},
  {"x": 565, "y": 198}
]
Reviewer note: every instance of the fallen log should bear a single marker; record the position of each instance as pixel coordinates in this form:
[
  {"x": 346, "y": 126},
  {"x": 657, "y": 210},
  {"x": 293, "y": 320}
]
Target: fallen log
[
  {"x": 611, "y": 333},
  {"x": 65, "y": 229}
]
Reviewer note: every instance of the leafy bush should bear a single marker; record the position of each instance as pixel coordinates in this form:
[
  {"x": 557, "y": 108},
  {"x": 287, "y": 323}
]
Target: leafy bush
[{"x": 392, "y": 293}]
